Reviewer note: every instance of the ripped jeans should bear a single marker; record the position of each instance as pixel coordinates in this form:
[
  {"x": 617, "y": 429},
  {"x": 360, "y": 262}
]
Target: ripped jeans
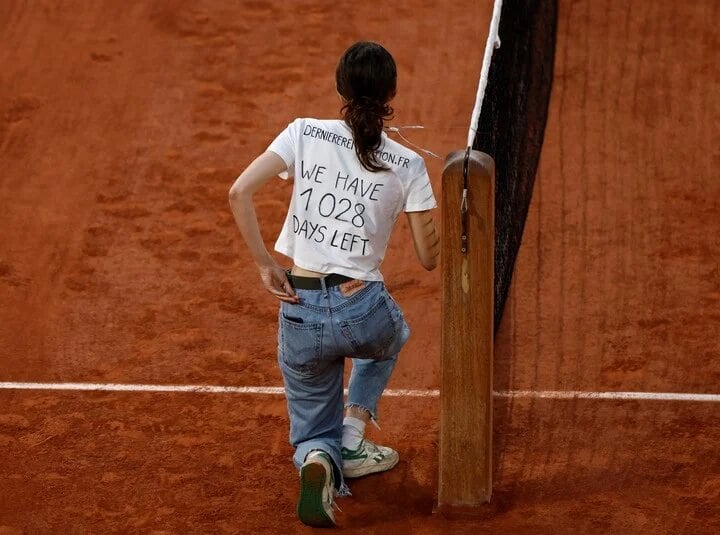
[{"x": 314, "y": 338}]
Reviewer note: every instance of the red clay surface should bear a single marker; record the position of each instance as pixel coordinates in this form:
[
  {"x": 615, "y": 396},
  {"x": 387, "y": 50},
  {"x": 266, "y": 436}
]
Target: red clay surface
[{"x": 121, "y": 130}]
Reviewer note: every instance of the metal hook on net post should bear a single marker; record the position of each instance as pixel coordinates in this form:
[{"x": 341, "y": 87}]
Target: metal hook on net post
[{"x": 464, "y": 204}]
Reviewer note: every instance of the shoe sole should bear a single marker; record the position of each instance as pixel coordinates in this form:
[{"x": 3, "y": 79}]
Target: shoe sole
[
  {"x": 310, "y": 508},
  {"x": 361, "y": 471}
]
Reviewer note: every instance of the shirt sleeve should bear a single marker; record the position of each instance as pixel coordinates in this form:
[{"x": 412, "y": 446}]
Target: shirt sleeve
[
  {"x": 419, "y": 194},
  {"x": 285, "y": 146}
]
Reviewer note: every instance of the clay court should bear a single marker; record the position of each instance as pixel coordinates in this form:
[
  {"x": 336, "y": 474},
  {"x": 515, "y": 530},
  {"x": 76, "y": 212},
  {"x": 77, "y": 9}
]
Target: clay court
[{"x": 122, "y": 127}]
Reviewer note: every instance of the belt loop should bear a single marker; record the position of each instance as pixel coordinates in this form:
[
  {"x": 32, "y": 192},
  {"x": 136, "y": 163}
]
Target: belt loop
[{"x": 324, "y": 286}]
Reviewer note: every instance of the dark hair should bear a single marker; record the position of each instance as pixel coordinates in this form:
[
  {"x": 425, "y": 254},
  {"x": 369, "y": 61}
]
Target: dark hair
[{"x": 366, "y": 78}]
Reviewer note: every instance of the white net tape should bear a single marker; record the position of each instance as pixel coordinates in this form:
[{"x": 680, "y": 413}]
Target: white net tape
[{"x": 493, "y": 42}]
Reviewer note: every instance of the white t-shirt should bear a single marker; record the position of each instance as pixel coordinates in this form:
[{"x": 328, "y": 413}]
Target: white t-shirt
[{"x": 341, "y": 215}]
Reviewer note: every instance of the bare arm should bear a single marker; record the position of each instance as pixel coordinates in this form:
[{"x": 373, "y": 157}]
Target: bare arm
[
  {"x": 265, "y": 167},
  {"x": 427, "y": 243}
]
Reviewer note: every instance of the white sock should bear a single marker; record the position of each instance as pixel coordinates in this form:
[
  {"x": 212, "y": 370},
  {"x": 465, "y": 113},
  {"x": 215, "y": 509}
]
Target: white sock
[{"x": 353, "y": 431}]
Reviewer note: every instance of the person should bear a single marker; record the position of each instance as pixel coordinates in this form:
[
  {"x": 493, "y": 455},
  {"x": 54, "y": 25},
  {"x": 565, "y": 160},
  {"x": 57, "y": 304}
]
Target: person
[{"x": 351, "y": 182}]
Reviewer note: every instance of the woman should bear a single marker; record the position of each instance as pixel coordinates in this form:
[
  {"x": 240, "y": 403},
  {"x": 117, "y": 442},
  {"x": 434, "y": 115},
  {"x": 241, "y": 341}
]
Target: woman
[{"x": 350, "y": 184}]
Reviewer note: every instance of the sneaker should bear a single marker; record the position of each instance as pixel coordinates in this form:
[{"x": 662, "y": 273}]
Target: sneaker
[
  {"x": 368, "y": 458},
  {"x": 317, "y": 491}
]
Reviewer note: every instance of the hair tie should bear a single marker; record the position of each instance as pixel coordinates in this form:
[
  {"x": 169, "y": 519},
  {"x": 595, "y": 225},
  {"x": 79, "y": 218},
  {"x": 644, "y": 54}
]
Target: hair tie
[{"x": 370, "y": 105}]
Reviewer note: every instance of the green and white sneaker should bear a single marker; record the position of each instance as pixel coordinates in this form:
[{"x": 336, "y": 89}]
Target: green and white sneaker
[
  {"x": 368, "y": 458},
  {"x": 317, "y": 491}
]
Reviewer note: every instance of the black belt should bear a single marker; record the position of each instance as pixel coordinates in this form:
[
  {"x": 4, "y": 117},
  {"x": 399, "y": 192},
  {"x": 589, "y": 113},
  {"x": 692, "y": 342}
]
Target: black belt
[{"x": 313, "y": 283}]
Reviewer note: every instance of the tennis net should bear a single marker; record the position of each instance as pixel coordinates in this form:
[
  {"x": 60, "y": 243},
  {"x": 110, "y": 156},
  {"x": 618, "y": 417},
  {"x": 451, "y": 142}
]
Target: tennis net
[{"x": 512, "y": 121}]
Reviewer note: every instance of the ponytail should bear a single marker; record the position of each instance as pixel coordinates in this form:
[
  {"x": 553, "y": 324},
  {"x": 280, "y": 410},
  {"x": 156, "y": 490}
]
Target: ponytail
[
  {"x": 366, "y": 77},
  {"x": 366, "y": 119}
]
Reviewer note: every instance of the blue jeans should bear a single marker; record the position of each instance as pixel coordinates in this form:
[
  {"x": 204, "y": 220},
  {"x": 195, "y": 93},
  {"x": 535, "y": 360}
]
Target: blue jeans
[{"x": 314, "y": 338}]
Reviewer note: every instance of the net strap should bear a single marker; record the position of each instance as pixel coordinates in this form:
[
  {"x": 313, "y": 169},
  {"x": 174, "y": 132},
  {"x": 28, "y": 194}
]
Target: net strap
[{"x": 493, "y": 42}]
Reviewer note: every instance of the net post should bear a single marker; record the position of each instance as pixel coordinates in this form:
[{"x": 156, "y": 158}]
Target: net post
[{"x": 465, "y": 468}]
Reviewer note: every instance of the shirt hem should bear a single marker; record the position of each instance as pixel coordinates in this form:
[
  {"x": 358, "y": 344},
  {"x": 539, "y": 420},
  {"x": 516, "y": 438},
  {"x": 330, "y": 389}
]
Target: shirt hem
[{"x": 324, "y": 268}]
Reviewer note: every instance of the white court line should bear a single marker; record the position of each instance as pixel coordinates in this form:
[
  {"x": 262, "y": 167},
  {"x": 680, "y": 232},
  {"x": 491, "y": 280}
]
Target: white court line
[
  {"x": 575, "y": 394},
  {"x": 278, "y": 390}
]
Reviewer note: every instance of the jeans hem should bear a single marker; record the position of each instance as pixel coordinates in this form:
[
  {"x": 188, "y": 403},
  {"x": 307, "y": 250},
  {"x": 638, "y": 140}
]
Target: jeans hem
[{"x": 373, "y": 414}]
